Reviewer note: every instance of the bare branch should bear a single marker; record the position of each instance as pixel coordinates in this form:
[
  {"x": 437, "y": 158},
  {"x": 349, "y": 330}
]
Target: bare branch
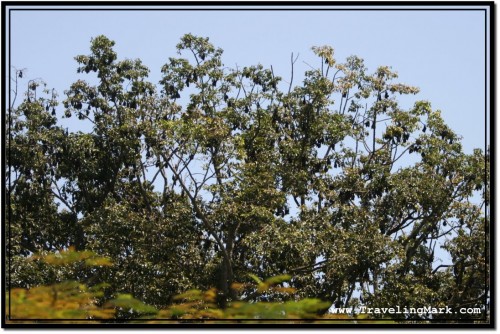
[{"x": 291, "y": 77}]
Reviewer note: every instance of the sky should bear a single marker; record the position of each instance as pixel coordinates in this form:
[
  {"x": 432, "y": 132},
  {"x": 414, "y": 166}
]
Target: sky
[{"x": 441, "y": 52}]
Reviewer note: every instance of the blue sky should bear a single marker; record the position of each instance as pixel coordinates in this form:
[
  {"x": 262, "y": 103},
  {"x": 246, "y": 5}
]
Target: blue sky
[{"x": 441, "y": 52}]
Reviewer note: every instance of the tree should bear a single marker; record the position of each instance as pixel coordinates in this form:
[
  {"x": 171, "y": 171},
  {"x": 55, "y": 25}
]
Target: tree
[
  {"x": 71, "y": 300},
  {"x": 219, "y": 172}
]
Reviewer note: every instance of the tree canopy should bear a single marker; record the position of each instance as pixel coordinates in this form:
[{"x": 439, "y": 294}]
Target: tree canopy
[{"x": 218, "y": 174}]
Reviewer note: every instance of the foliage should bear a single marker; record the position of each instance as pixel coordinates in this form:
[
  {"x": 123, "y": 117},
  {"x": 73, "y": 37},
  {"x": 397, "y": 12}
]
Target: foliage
[
  {"x": 218, "y": 172},
  {"x": 72, "y": 301},
  {"x": 196, "y": 304},
  {"x": 65, "y": 300}
]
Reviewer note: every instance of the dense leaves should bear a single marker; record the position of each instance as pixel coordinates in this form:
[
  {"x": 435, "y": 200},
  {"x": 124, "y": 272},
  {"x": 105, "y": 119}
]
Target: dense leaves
[
  {"x": 75, "y": 302},
  {"x": 219, "y": 172}
]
